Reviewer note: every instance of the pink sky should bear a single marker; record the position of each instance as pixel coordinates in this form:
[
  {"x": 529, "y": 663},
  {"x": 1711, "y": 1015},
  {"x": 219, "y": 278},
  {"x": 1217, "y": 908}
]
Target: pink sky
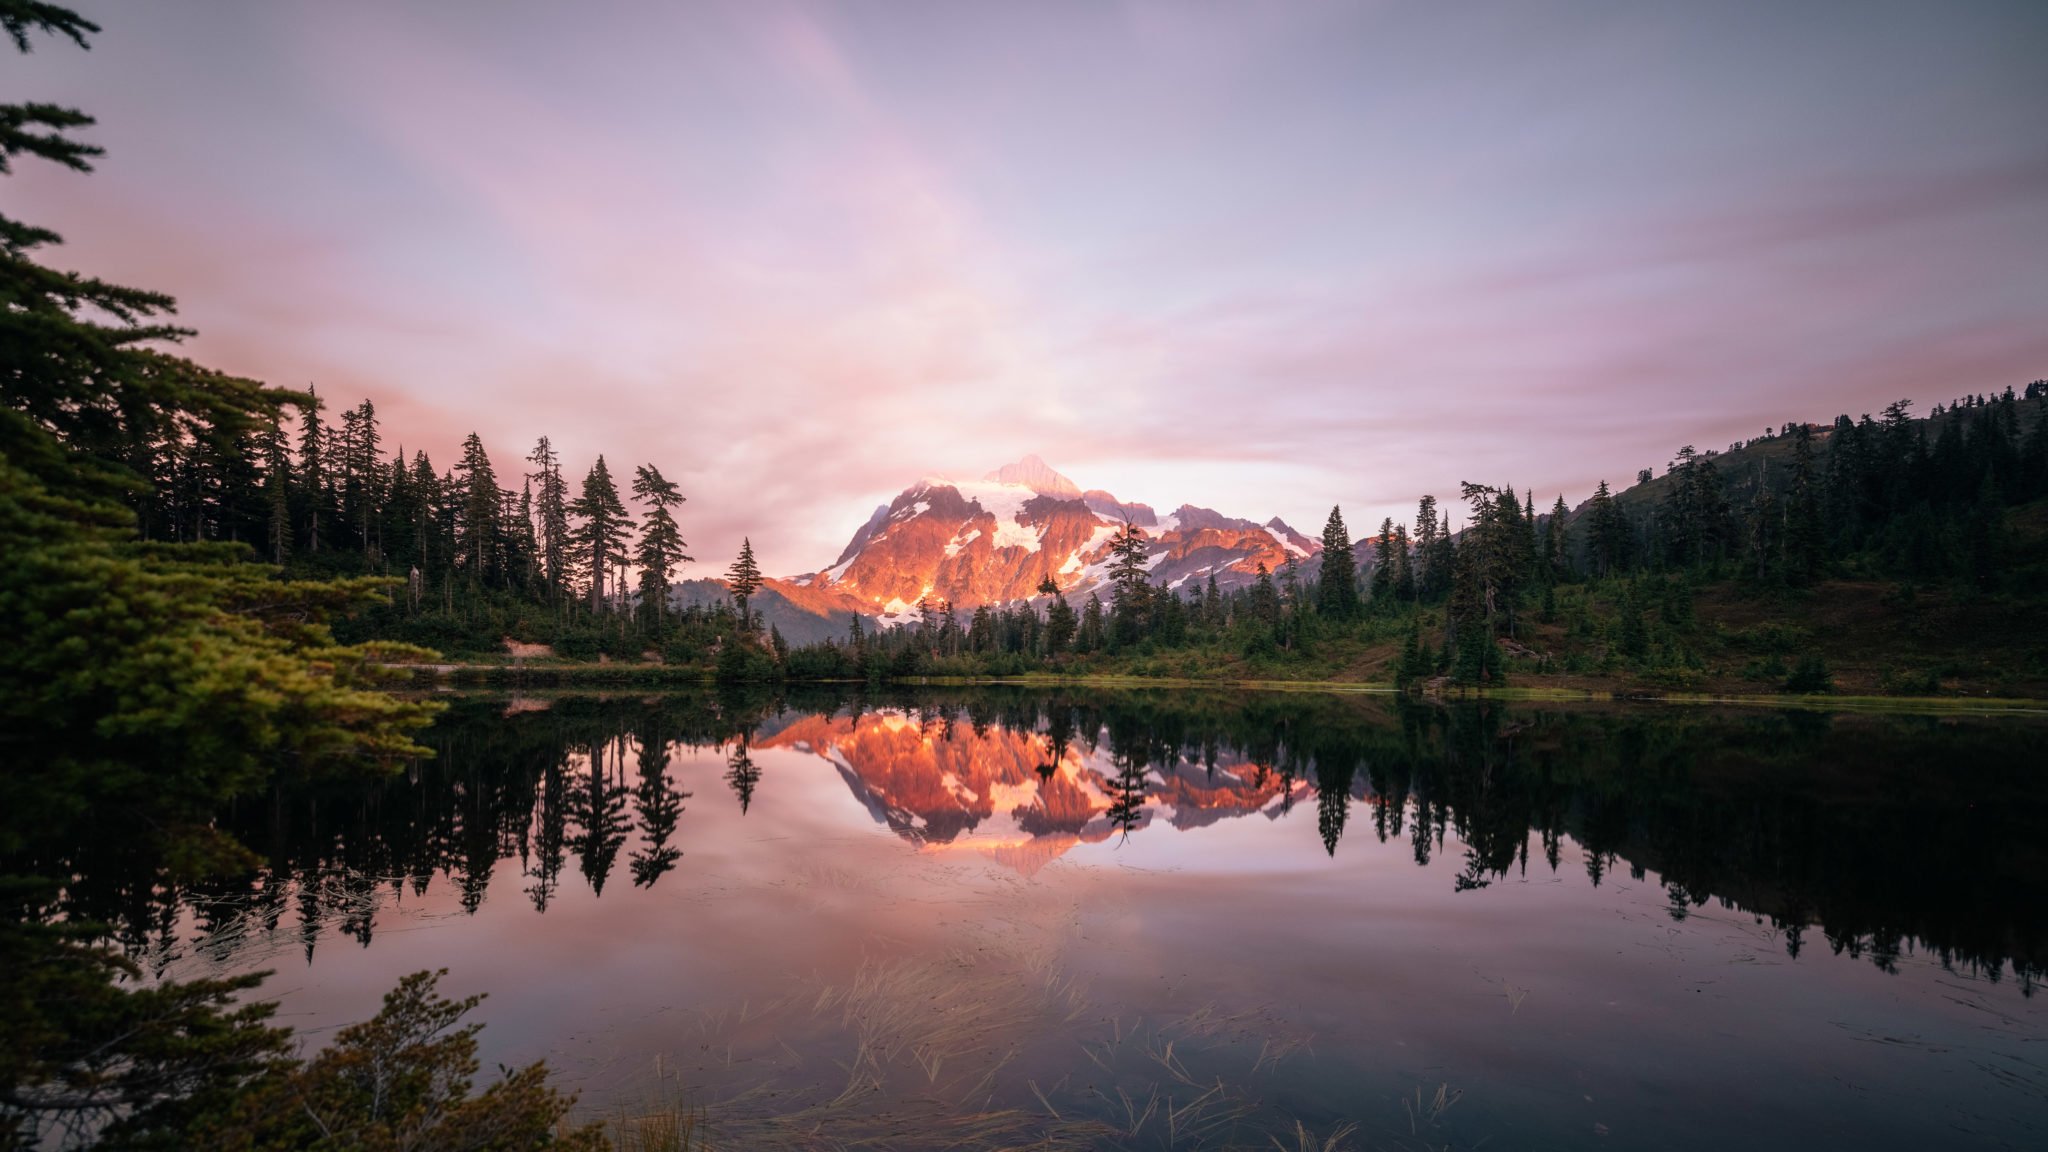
[{"x": 1264, "y": 258}]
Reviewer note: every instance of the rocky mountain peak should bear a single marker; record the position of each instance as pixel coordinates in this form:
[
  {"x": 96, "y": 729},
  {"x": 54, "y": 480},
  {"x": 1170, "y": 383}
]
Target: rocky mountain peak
[{"x": 997, "y": 540}]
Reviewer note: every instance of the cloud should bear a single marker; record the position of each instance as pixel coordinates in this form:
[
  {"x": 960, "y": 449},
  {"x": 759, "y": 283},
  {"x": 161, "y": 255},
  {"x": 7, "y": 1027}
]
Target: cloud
[{"x": 800, "y": 256}]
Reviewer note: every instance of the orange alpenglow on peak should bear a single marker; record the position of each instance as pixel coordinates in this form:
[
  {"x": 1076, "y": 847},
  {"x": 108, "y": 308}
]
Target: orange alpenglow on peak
[{"x": 995, "y": 541}]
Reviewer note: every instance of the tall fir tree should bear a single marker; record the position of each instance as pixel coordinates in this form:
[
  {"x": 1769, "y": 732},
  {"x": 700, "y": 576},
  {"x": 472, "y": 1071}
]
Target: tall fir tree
[
  {"x": 1554, "y": 541},
  {"x": 1131, "y": 593},
  {"x": 312, "y": 468},
  {"x": 600, "y": 537},
  {"x": 1404, "y": 567},
  {"x": 277, "y": 479},
  {"x": 1383, "y": 562},
  {"x": 551, "y": 518},
  {"x": 1060, "y": 622},
  {"x": 1337, "y": 592},
  {"x": 1802, "y": 542},
  {"x": 369, "y": 494},
  {"x": 479, "y": 528},
  {"x": 744, "y": 579},
  {"x": 661, "y": 540}
]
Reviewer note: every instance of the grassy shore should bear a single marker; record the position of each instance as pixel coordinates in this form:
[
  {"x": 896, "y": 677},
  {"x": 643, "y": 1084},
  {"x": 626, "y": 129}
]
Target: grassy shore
[{"x": 571, "y": 675}]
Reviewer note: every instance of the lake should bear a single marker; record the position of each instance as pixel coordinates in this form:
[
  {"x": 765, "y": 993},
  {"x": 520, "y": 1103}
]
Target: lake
[{"x": 1167, "y": 919}]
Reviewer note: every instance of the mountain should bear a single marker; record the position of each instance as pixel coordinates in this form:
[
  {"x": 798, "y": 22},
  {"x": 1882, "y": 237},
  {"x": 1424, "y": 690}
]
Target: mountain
[{"x": 994, "y": 540}]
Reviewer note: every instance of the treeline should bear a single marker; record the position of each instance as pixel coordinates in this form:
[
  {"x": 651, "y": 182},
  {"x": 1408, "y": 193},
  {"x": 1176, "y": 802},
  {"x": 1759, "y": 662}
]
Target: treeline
[
  {"x": 532, "y": 552},
  {"x": 1919, "y": 501},
  {"x": 543, "y": 557}
]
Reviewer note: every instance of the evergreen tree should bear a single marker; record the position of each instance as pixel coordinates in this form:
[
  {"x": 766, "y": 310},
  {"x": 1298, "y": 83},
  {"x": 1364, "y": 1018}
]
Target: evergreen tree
[
  {"x": 1131, "y": 594},
  {"x": 366, "y": 474},
  {"x": 1382, "y": 562},
  {"x": 661, "y": 540},
  {"x": 600, "y": 536},
  {"x": 1607, "y": 532},
  {"x": 1060, "y": 623},
  {"x": 1404, "y": 570},
  {"x": 1554, "y": 553},
  {"x": 478, "y": 527},
  {"x": 1265, "y": 599},
  {"x": 1489, "y": 570},
  {"x": 1337, "y": 593},
  {"x": 277, "y": 468},
  {"x": 430, "y": 551},
  {"x": 1802, "y": 543},
  {"x": 312, "y": 468},
  {"x": 527, "y": 545},
  {"x": 551, "y": 518},
  {"x": 1092, "y": 631},
  {"x": 1765, "y": 530},
  {"x": 1539, "y": 567},
  {"x": 744, "y": 579},
  {"x": 1428, "y": 578},
  {"x": 149, "y": 683}
]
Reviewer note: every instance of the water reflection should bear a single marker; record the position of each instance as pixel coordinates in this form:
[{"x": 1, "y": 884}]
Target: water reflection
[{"x": 1883, "y": 835}]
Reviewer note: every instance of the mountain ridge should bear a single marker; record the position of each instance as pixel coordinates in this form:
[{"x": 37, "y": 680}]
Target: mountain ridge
[{"x": 996, "y": 540}]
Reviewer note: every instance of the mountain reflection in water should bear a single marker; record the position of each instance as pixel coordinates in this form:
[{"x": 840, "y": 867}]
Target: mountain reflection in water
[{"x": 1340, "y": 858}]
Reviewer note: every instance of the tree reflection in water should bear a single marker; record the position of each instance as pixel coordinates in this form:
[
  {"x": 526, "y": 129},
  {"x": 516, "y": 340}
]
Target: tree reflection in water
[{"x": 1884, "y": 833}]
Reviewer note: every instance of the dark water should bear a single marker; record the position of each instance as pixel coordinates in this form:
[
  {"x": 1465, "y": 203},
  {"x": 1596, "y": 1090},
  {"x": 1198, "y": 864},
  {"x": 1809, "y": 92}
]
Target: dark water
[{"x": 1161, "y": 920}]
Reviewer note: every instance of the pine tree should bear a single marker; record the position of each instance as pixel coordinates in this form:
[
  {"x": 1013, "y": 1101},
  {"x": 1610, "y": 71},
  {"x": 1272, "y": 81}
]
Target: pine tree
[
  {"x": 744, "y": 579},
  {"x": 1607, "y": 532},
  {"x": 312, "y": 467},
  {"x": 1765, "y": 530},
  {"x": 661, "y": 541},
  {"x": 1404, "y": 569},
  {"x": 1802, "y": 532},
  {"x": 1382, "y": 562},
  {"x": 600, "y": 538},
  {"x": 1131, "y": 594},
  {"x": 277, "y": 467},
  {"x": 429, "y": 552},
  {"x": 551, "y": 517},
  {"x": 366, "y": 473},
  {"x": 1060, "y": 623},
  {"x": 1554, "y": 553},
  {"x": 478, "y": 527},
  {"x": 1265, "y": 599},
  {"x": 1337, "y": 593},
  {"x": 1090, "y": 636},
  {"x": 1534, "y": 549},
  {"x": 528, "y": 545},
  {"x": 153, "y": 683},
  {"x": 1427, "y": 577}
]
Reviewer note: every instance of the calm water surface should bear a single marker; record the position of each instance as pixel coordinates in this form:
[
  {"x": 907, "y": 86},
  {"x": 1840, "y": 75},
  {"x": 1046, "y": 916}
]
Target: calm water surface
[{"x": 1160, "y": 920}]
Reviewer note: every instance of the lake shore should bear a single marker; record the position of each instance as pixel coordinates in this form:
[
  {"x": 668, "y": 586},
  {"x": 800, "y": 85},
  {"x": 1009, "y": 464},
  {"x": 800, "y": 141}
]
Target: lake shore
[{"x": 550, "y": 675}]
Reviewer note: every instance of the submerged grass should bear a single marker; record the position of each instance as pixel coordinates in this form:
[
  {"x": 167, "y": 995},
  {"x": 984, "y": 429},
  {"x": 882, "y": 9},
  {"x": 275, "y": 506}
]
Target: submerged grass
[{"x": 985, "y": 1048}]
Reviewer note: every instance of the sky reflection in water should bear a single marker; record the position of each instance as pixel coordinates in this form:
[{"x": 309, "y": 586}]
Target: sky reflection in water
[{"x": 1162, "y": 920}]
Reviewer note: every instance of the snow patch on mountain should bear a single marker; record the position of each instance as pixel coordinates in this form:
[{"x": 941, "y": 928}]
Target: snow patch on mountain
[
  {"x": 1290, "y": 545},
  {"x": 954, "y": 545},
  {"x": 1010, "y": 534}
]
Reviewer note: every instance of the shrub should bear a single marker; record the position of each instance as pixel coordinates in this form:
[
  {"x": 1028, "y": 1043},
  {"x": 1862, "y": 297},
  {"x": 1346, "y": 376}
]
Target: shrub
[{"x": 1811, "y": 675}]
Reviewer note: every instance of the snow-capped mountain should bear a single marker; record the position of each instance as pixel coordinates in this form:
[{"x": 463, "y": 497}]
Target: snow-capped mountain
[{"x": 994, "y": 540}]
